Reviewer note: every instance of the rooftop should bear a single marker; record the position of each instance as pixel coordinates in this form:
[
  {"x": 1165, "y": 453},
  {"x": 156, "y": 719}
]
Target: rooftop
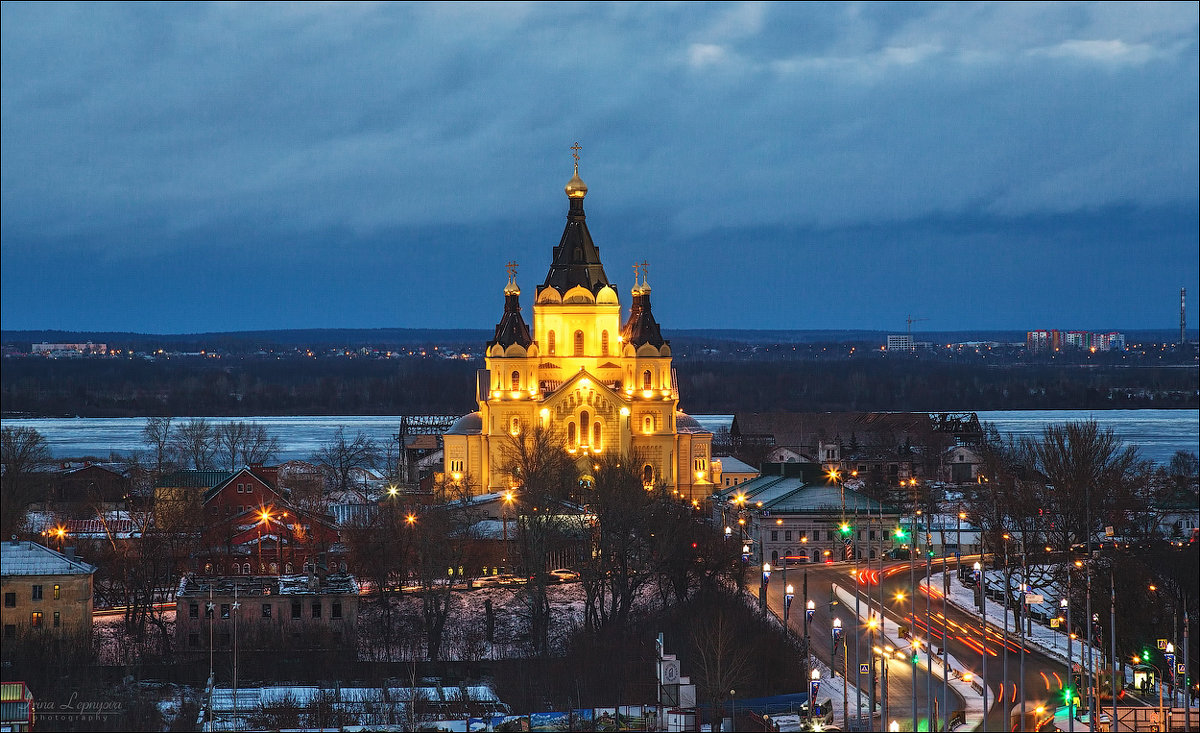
[
  {"x": 30, "y": 558},
  {"x": 791, "y": 495},
  {"x": 196, "y": 586}
]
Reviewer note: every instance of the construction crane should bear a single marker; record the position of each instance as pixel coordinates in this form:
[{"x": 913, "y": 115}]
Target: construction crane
[{"x": 910, "y": 321}]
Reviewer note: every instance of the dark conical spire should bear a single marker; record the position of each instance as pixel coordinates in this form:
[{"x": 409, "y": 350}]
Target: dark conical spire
[
  {"x": 512, "y": 328},
  {"x": 641, "y": 328},
  {"x": 576, "y": 258}
]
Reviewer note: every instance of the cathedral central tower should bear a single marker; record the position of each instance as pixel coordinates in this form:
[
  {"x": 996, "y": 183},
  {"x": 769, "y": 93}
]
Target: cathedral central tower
[{"x": 604, "y": 385}]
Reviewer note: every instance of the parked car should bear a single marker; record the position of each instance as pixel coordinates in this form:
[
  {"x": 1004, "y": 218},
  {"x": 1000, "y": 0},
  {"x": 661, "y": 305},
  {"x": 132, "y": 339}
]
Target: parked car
[{"x": 563, "y": 575}]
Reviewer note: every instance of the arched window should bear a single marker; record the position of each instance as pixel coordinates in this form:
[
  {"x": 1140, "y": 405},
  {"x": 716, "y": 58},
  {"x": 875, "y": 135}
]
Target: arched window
[
  {"x": 516, "y": 380},
  {"x": 648, "y": 424},
  {"x": 604, "y": 343},
  {"x": 550, "y": 343},
  {"x": 571, "y": 434},
  {"x": 237, "y": 569},
  {"x": 646, "y": 379},
  {"x": 596, "y": 436},
  {"x": 584, "y": 422},
  {"x": 274, "y": 568},
  {"x": 287, "y": 568},
  {"x": 647, "y": 474},
  {"x": 514, "y": 426},
  {"x": 208, "y": 568},
  {"x": 246, "y": 569},
  {"x": 579, "y": 343}
]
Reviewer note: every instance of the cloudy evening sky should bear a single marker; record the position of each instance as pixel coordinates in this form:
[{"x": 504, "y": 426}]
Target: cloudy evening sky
[{"x": 179, "y": 168}]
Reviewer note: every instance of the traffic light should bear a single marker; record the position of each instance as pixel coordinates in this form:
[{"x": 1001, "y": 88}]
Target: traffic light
[
  {"x": 845, "y": 529},
  {"x": 915, "y": 657},
  {"x": 899, "y": 533}
]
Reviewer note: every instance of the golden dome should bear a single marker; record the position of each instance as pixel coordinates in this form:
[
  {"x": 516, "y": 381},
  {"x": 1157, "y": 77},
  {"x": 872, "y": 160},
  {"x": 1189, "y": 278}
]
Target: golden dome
[{"x": 575, "y": 187}]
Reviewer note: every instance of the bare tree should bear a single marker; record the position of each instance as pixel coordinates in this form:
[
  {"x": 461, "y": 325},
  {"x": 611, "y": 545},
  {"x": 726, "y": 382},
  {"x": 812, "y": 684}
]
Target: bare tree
[
  {"x": 546, "y": 478},
  {"x": 722, "y": 659},
  {"x": 193, "y": 442},
  {"x": 24, "y": 452},
  {"x": 441, "y": 555},
  {"x": 241, "y": 443},
  {"x": 339, "y": 458},
  {"x": 157, "y": 436}
]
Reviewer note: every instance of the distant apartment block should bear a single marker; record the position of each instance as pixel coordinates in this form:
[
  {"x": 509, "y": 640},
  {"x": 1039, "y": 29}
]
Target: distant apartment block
[
  {"x": 88, "y": 348},
  {"x": 1055, "y": 340},
  {"x": 900, "y": 342}
]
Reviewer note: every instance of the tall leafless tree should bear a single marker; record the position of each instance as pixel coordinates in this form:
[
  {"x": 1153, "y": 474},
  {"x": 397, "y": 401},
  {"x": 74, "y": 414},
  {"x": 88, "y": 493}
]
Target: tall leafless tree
[
  {"x": 157, "y": 436},
  {"x": 241, "y": 443},
  {"x": 193, "y": 442},
  {"x": 24, "y": 452},
  {"x": 341, "y": 457}
]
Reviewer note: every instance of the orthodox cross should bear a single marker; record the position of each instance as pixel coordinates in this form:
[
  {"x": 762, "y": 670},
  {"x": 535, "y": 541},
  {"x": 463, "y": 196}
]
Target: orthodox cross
[
  {"x": 645, "y": 268},
  {"x": 636, "y": 280},
  {"x": 511, "y": 266},
  {"x": 576, "y": 147}
]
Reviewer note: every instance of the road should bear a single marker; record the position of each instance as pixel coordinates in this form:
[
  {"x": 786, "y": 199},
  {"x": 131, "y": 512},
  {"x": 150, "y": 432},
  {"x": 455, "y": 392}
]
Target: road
[{"x": 941, "y": 624}]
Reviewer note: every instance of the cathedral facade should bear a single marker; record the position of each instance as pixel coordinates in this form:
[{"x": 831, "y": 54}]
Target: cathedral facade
[{"x": 603, "y": 383}]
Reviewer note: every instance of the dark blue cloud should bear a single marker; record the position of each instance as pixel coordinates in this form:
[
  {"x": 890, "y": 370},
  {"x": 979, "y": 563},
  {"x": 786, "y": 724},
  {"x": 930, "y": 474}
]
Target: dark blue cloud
[{"x": 307, "y": 165}]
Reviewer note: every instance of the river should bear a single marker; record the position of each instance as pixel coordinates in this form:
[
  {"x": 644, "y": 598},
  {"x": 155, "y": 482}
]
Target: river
[{"x": 1156, "y": 433}]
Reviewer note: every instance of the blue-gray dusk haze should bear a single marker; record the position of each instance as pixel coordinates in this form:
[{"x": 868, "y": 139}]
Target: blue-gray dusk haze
[{"x": 204, "y": 167}]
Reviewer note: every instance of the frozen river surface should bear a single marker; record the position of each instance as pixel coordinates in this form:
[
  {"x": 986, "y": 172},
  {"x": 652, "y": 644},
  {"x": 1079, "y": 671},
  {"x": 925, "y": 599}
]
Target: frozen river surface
[{"x": 1156, "y": 433}]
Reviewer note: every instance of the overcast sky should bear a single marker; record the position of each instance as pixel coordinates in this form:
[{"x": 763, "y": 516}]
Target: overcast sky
[{"x": 178, "y": 168}]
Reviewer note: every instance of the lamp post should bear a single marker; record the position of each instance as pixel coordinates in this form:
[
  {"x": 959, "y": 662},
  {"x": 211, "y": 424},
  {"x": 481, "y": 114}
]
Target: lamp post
[
  {"x": 979, "y": 570},
  {"x": 1065, "y": 603},
  {"x": 788, "y": 594},
  {"x": 733, "y": 708},
  {"x": 814, "y": 686},
  {"x": 762, "y": 589},
  {"x": 837, "y": 637}
]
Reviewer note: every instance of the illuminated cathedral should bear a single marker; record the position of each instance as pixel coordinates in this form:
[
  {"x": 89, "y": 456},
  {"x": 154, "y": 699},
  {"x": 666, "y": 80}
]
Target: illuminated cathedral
[{"x": 605, "y": 385}]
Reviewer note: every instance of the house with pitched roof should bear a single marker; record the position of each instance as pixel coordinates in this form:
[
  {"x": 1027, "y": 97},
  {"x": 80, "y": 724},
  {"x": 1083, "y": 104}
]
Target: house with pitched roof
[{"x": 44, "y": 590}]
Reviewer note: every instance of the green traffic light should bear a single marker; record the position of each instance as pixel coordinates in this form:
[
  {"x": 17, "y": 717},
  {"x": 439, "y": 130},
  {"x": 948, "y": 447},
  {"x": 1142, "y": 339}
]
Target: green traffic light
[
  {"x": 845, "y": 529},
  {"x": 899, "y": 533},
  {"x": 1067, "y": 694}
]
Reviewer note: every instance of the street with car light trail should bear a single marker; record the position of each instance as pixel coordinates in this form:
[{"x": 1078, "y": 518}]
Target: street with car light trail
[{"x": 943, "y": 624}]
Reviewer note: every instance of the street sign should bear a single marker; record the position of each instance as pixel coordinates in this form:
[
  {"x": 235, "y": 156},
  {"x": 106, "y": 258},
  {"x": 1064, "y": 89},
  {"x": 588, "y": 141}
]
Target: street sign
[
  {"x": 1179, "y": 668},
  {"x": 1032, "y": 598},
  {"x": 1162, "y": 643},
  {"x": 848, "y": 541},
  {"x": 864, "y": 669}
]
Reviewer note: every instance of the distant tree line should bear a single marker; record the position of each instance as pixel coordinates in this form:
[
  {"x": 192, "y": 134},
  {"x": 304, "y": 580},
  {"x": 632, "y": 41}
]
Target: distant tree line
[{"x": 244, "y": 387}]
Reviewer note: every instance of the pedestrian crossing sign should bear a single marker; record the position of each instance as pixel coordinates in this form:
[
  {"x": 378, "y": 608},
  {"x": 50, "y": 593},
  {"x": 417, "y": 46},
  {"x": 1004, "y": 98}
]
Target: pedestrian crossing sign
[
  {"x": 864, "y": 669},
  {"x": 1162, "y": 643}
]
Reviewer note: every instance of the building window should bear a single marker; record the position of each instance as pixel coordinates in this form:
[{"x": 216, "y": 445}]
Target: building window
[
  {"x": 10, "y": 600},
  {"x": 236, "y": 568},
  {"x": 316, "y": 609},
  {"x": 550, "y": 343},
  {"x": 57, "y": 591},
  {"x": 571, "y": 434},
  {"x": 241, "y": 488},
  {"x": 295, "y": 609},
  {"x": 787, "y": 536},
  {"x": 774, "y": 536},
  {"x": 266, "y": 610},
  {"x": 516, "y": 380},
  {"x": 584, "y": 421},
  {"x": 604, "y": 343},
  {"x": 57, "y": 619},
  {"x": 596, "y": 436},
  {"x": 193, "y": 610},
  {"x": 514, "y": 426},
  {"x": 37, "y": 592},
  {"x": 246, "y": 569},
  {"x": 648, "y": 424},
  {"x": 335, "y": 611},
  {"x": 36, "y": 619},
  {"x": 647, "y": 474},
  {"x": 224, "y": 610},
  {"x": 646, "y": 379},
  {"x": 579, "y": 343}
]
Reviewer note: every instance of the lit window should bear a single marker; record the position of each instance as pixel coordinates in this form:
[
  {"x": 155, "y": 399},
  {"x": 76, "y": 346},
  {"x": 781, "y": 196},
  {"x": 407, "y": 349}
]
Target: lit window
[
  {"x": 604, "y": 343},
  {"x": 646, "y": 379},
  {"x": 647, "y": 474},
  {"x": 516, "y": 380},
  {"x": 57, "y": 591},
  {"x": 57, "y": 619},
  {"x": 571, "y": 434},
  {"x": 579, "y": 343},
  {"x": 550, "y": 343},
  {"x": 596, "y": 436},
  {"x": 36, "y": 620}
]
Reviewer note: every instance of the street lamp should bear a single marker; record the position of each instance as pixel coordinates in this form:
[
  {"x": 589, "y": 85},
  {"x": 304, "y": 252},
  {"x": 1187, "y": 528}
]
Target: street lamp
[
  {"x": 837, "y": 637},
  {"x": 789, "y": 594},
  {"x": 983, "y": 635},
  {"x": 814, "y": 686}
]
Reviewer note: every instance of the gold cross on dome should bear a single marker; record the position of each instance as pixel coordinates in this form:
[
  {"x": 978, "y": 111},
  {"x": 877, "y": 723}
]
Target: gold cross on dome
[
  {"x": 645, "y": 268},
  {"x": 636, "y": 280},
  {"x": 511, "y": 267},
  {"x": 576, "y": 147}
]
